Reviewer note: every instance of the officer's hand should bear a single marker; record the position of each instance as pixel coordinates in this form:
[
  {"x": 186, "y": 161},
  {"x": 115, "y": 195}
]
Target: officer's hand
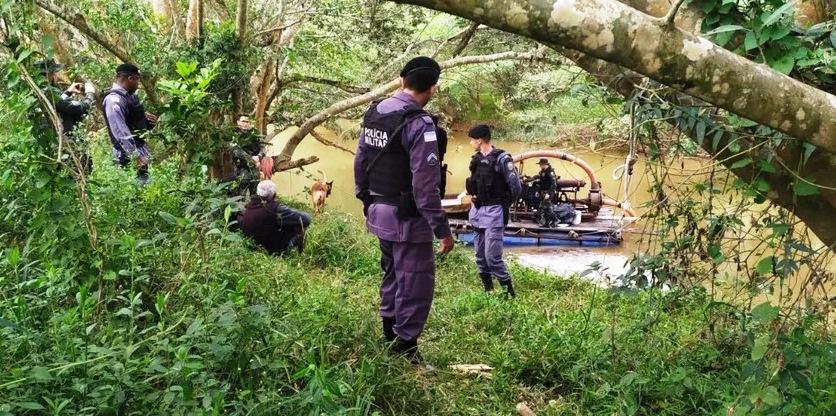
[
  {"x": 89, "y": 88},
  {"x": 446, "y": 245},
  {"x": 151, "y": 117}
]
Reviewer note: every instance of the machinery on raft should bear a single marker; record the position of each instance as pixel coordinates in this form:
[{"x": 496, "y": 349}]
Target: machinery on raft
[{"x": 595, "y": 222}]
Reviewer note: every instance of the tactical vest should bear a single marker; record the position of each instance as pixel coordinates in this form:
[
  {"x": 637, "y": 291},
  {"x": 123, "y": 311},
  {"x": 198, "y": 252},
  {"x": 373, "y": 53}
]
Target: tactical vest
[
  {"x": 387, "y": 161},
  {"x": 487, "y": 181},
  {"x": 134, "y": 114}
]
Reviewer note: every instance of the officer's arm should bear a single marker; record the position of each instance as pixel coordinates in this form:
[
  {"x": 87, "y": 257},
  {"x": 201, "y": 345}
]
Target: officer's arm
[
  {"x": 511, "y": 177},
  {"x": 421, "y": 140}
]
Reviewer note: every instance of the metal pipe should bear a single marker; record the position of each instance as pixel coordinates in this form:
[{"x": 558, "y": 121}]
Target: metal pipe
[
  {"x": 594, "y": 183},
  {"x": 623, "y": 206}
]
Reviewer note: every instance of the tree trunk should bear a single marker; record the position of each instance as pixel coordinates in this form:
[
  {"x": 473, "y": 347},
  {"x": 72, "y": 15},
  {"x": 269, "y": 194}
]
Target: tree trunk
[
  {"x": 616, "y": 33},
  {"x": 241, "y": 21},
  {"x": 194, "y": 21},
  {"x": 62, "y": 54}
]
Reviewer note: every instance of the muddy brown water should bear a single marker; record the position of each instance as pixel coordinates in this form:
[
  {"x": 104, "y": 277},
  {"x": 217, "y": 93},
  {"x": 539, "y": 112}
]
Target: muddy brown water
[{"x": 337, "y": 165}]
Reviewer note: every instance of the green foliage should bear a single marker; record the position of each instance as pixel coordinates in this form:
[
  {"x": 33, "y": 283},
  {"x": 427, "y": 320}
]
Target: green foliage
[
  {"x": 765, "y": 31},
  {"x": 186, "y": 124}
]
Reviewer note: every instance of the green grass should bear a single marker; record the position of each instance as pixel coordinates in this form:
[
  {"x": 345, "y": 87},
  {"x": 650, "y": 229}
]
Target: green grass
[{"x": 194, "y": 321}]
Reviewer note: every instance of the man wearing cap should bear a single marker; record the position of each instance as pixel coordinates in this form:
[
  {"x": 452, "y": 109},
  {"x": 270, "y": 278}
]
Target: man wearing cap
[
  {"x": 70, "y": 108},
  {"x": 396, "y": 174},
  {"x": 546, "y": 179},
  {"x": 494, "y": 185},
  {"x": 126, "y": 121}
]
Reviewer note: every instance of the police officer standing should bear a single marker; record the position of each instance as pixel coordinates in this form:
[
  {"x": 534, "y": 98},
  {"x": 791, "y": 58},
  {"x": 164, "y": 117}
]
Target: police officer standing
[
  {"x": 126, "y": 121},
  {"x": 494, "y": 185},
  {"x": 396, "y": 174},
  {"x": 546, "y": 179},
  {"x": 70, "y": 108}
]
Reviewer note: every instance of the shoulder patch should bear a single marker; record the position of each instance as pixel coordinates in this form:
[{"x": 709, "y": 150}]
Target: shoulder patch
[
  {"x": 427, "y": 119},
  {"x": 430, "y": 136}
]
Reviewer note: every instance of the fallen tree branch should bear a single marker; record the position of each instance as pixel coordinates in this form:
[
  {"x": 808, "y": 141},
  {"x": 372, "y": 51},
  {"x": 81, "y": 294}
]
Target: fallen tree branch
[{"x": 281, "y": 166}]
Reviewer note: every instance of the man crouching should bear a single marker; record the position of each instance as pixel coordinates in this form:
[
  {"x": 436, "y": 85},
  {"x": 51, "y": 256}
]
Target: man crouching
[{"x": 273, "y": 226}]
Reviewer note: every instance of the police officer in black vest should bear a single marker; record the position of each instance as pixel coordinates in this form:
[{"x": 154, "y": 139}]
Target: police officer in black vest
[
  {"x": 396, "y": 175},
  {"x": 126, "y": 121},
  {"x": 494, "y": 185}
]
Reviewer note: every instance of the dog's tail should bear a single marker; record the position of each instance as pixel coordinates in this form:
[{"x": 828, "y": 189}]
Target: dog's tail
[{"x": 324, "y": 176}]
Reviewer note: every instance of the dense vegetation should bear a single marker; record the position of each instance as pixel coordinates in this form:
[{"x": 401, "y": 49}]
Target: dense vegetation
[{"x": 121, "y": 299}]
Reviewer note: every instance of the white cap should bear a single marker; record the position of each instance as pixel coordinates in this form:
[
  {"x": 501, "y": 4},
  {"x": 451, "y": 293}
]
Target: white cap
[{"x": 266, "y": 189}]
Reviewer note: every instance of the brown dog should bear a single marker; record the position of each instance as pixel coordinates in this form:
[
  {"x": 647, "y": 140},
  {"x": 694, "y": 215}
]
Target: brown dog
[{"x": 320, "y": 190}]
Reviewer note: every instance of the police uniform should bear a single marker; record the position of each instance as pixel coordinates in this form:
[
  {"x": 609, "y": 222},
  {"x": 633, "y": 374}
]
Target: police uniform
[
  {"x": 125, "y": 120},
  {"x": 494, "y": 184},
  {"x": 396, "y": 173},
  {"x": 71, "y": 111}
]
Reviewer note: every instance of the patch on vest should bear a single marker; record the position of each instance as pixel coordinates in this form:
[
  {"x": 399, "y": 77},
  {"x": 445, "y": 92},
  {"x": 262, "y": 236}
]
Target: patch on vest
[
  {"x": 432, "y": 159},
  {"x": 510, "y": 166},
  {"x": 375, "y": 137},
  {"x": 429, "y": 136}
]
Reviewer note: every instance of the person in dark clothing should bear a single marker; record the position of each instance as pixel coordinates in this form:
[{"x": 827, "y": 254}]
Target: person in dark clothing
[
  {"x": 247, "y": 149},
  {"x": 546, "y": 179},
  {"x": 70, "y": 108},
  {"x": 277, "y": 228},
  {"x": 126, "y": 121},
  {"x": 396, "y": 176},
  {"x": 441, "y": 134}
]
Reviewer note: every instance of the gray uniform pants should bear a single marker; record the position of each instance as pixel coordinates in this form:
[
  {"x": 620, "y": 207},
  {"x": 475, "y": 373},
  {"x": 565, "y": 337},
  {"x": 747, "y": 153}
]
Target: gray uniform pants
[
  {"x": 406, "y": 292},
  {"x": 488, "y": 245}
]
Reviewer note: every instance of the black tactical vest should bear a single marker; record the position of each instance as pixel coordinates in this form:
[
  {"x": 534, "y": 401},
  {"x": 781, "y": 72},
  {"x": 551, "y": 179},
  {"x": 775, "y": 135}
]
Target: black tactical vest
[
  {"x": 134, "y": 114},
  {"x": 387, "y": 161},
  {"x": 487, "y": 181}
]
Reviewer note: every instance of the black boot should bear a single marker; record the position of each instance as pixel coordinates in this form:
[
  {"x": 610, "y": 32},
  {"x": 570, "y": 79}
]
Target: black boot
[
  {"x": 509, "y": 288},
  {"x": 388, "y": 332},
  {"x": 487, "y": 281},
  {"x": 408, "y": 350}
]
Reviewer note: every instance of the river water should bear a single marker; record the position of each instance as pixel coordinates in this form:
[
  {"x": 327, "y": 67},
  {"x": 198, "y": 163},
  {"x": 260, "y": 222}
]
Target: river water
[{"x": 337, "y": 165}]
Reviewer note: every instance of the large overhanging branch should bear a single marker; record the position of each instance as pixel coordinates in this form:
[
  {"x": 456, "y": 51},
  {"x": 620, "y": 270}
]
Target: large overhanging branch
[
  {"x": 391, "y": 86},
  {"x": 813, "y": 210},
  {"x": 80, "y": 23},
  {"x": 619, "y": 34}
]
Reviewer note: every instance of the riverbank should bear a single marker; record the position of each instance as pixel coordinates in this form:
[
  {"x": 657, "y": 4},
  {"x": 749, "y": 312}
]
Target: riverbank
[{"x": 196, "y": 322}]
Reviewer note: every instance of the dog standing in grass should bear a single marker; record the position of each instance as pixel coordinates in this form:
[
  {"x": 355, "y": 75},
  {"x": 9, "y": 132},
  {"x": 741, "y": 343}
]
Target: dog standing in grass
[{"x": 320, "y": 190}]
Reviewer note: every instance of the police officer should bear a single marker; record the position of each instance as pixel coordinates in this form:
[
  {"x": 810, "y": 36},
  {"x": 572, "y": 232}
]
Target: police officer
[
  {"x": 546, "y": 178},
  {"x": 126, "y": 121},
  {"x": 70, "y": 108},
  {"x": 396, "y": 173},
  {"x": 494, "y": 185}
]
